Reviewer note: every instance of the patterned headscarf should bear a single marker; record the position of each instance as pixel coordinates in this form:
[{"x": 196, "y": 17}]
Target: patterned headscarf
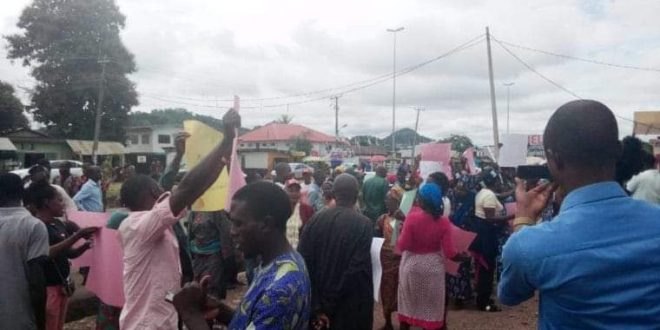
[
  {"x": 396, "y": 193},
  {"x": 431, "y": 195}
]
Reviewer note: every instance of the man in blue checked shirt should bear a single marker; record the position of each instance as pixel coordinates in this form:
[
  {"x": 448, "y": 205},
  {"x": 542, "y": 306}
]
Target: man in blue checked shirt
[{"x": 90, "y": 197}]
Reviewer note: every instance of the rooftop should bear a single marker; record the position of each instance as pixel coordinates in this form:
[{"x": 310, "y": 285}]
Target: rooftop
[{"x": 285, "y": 132}]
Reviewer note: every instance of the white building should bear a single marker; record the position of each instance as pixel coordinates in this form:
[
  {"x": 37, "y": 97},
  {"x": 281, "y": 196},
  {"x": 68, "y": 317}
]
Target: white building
[{"x": 146, "y": 144}]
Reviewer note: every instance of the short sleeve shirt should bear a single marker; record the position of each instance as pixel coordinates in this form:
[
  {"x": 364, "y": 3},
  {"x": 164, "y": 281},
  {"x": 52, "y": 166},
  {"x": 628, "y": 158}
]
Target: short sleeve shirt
[
  {"x": 486, "y": 199},
  {"x": 22, "y": 238},
  {"x": 279, "y": 297}
]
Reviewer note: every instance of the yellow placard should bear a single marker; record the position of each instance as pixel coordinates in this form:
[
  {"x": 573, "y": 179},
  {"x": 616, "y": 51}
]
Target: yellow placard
[{"x": 202, "y": 140}]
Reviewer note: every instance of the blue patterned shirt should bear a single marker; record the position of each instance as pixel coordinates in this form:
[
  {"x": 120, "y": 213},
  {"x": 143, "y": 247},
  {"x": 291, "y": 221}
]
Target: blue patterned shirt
[{"x": 279, "y": 297}]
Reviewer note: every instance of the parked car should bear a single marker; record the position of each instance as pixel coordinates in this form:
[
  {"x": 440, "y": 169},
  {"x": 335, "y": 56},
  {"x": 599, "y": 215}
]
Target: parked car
[
  {"x": 76, "y": 168},
  {"x": 298, "y": 168}
]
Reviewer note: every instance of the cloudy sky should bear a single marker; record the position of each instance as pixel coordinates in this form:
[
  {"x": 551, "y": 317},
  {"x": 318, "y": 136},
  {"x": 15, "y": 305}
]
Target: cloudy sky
[{"x": 198, "y": 53}]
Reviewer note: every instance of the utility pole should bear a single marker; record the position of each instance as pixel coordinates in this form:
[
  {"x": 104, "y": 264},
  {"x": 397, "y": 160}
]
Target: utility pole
[
  {"x": 99, "y": 109},
  {"x": 496, "y": 133},
  {"x": 508, "y": 96},
  {"x": 394, "y": 32},
  {"x": 418, "y": 109},
  {"x": 336, "y": 97}
]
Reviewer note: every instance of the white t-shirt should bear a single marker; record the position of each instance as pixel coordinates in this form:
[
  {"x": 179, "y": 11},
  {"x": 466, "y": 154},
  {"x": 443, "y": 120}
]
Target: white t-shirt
[
  {"x": 486, "y": 198},
  {"x": 646, "y": 186}
]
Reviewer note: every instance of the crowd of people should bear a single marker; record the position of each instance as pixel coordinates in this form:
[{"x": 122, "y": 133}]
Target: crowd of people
[{"x": 585, "y": 240}]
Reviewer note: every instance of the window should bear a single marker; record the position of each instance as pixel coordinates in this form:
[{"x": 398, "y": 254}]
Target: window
[
  {"x": 264, "y": 144},
  {"x": 242, "y": 145},
  {"x": 146, "y": 138},
  {"x": 164, "y": 139},
  {"x": 133, "y": 139},
  {"x": 272, "y": 144}
]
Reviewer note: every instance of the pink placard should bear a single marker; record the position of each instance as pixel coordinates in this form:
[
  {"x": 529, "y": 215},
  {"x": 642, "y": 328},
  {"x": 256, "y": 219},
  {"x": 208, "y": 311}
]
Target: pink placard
[
  {"x": 469, "y": 156},
  {"x": 107, "y": 268},
  {"x": 236, "y": 175},
  {"x": 439, "y": 153},
  {"x": 461, "y": 239}
]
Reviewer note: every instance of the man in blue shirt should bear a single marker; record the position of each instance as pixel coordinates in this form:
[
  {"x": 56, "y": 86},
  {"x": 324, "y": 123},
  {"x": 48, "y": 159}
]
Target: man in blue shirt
[
  {"x": 90, "y": 197},
  {"x": 596, "y": 264}
]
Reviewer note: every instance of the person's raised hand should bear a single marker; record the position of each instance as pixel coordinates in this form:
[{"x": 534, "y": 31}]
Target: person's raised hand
[
  {"x": 399, "y": 215},
  {"x": 232, "y": 121},
  {"x": 531, "y": 203},
  {"x": 180, "y": 143}
]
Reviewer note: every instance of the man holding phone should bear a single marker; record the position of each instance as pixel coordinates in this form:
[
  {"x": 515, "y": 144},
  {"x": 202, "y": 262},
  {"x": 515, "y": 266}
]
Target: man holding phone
[{"x": 595, "y": 265}]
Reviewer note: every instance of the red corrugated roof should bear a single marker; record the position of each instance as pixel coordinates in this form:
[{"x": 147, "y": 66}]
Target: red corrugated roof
[{"x": 285, "y": 132}]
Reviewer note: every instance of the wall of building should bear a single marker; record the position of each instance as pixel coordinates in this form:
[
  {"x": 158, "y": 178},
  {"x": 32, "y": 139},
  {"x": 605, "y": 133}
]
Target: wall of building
[{"x": 151, "y": 139}]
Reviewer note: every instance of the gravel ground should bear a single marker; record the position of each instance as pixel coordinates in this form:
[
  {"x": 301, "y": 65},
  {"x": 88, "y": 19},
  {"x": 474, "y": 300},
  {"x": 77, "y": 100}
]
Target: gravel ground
[{"x": 517, "y": 318}]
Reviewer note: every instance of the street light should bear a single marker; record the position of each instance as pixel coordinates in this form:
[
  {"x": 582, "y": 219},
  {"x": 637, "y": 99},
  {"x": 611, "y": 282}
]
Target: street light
[
  {"x": 394, "y": 31},
  {"x": 508, "y": 94}
]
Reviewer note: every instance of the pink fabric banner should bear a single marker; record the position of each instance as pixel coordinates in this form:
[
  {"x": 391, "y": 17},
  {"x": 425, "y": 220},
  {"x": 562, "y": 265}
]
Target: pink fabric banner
[
  {"x": 236, "y": 175},
  {"x": 511, "y": 208},
  {"x": 107, "y": 268},
  {"x": 86, "y": 219},
  {"x": 105, "y": 258},
  {"x": 461, "y": 240}
]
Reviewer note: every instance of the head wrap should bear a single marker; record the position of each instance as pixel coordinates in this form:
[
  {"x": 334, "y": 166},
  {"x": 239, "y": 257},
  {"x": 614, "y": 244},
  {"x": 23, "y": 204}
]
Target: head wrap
[
  {"x": 396, "y": 193},
  {"x": 431, "y": 195}
]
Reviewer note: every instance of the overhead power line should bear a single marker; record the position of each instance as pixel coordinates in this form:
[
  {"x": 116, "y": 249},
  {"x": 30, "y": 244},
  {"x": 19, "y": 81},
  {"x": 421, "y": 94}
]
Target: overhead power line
[
  {"x": 581, "y": 59},
  {"x": 530, "y": 68},
  {"x": 345, "y": 89}
]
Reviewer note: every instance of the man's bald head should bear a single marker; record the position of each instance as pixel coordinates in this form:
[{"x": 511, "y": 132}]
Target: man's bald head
[
  {"x": 584, "y": 134},
  {"x": 346, "y": 190}
]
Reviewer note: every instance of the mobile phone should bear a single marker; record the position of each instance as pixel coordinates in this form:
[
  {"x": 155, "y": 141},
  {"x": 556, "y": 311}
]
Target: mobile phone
[{"x": 533, "y": 172}]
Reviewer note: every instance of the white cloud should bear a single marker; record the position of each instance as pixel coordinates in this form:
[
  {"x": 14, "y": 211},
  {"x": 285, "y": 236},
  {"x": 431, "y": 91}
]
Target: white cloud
[{"x": 194, "y": 52}]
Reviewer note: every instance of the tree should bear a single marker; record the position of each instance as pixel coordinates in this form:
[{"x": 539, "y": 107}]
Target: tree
[
  {"x": 301, "y": 143},
  {"x": 170, "y": 116},
  {"x": 285, "y": 119},
  {"x": 459, "y": 143},
  {"x": 11, "y": 109},
  {"x": 66, "y": 43}
]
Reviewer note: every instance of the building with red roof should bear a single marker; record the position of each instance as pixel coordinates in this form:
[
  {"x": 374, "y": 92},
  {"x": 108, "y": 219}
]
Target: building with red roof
[{"x": 262, "y": 147}]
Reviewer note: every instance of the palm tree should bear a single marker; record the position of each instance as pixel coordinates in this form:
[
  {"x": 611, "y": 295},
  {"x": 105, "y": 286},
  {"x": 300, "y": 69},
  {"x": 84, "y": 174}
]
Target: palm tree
[{"x": 285, "y": 119}]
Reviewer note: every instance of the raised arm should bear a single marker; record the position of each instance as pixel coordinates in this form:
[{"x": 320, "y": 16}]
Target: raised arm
[{"x": 200, "y": 178}]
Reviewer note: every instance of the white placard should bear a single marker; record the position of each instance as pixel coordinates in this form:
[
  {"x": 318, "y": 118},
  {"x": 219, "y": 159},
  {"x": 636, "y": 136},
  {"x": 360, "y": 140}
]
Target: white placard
[
  {"x": 376, "y": 268},
  {"x": 428, "y": 167}
]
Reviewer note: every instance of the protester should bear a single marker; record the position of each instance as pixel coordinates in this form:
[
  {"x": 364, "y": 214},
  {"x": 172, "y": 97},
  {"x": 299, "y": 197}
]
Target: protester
[
  {"x": 424, "y": 243},
  {"x": 595, "y": 264},
  {"x": 328, "y": 192},
  {"x": 442, "y": 181},
  {"x": 488, "y": 224},
  {"x": 282, "y": 174},
  {"x": 151, "y": 254},
  {"x": 314, "y": 193},
  {"x": 336, "y": 246},
  {"x": 40, "y": 174},
  {"x": 390, "y": 225},
  {"x": 23, "y": 251},
  {"x": 459, "y": 286},
  {"x": 300, "y": 215},
  {"x": 279, "y": 298},
  {"x": 646, "y": 185},
  {"x": 48, "y": 206},
  {"x": 374, "y": 191},
  {"x": 66, "y": 180},
  {"x": 90, "y": 196},
  {"x": 631, "y": 161}
]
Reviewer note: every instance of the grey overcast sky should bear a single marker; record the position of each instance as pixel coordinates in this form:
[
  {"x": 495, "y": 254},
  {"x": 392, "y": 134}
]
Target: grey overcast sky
[{"x": 196, "y": 54}]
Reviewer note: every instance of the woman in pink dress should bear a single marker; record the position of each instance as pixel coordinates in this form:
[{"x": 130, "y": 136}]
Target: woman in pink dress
[{"x": 424, "y": 243}]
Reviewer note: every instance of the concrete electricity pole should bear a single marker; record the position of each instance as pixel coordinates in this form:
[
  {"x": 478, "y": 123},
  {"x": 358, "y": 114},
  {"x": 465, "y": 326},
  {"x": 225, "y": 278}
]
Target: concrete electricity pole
[
  {"x": 99, "y": 110},
  {"x": 394, "y": 32},
  {"x": 496, "y": 133},
  {"x": 508, "y": 96}
]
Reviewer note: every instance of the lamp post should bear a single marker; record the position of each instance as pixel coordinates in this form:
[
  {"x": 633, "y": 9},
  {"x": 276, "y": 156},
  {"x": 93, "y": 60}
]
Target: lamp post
[
  {"x": 508, "y": 95},
  {"x": 394, "y": 31}
]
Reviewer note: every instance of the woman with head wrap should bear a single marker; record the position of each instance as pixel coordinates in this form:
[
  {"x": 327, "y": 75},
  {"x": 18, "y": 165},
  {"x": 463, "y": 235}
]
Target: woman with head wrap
[
  {"x": 389, "y": 224},
  {"x": 424, "y": 243}
]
